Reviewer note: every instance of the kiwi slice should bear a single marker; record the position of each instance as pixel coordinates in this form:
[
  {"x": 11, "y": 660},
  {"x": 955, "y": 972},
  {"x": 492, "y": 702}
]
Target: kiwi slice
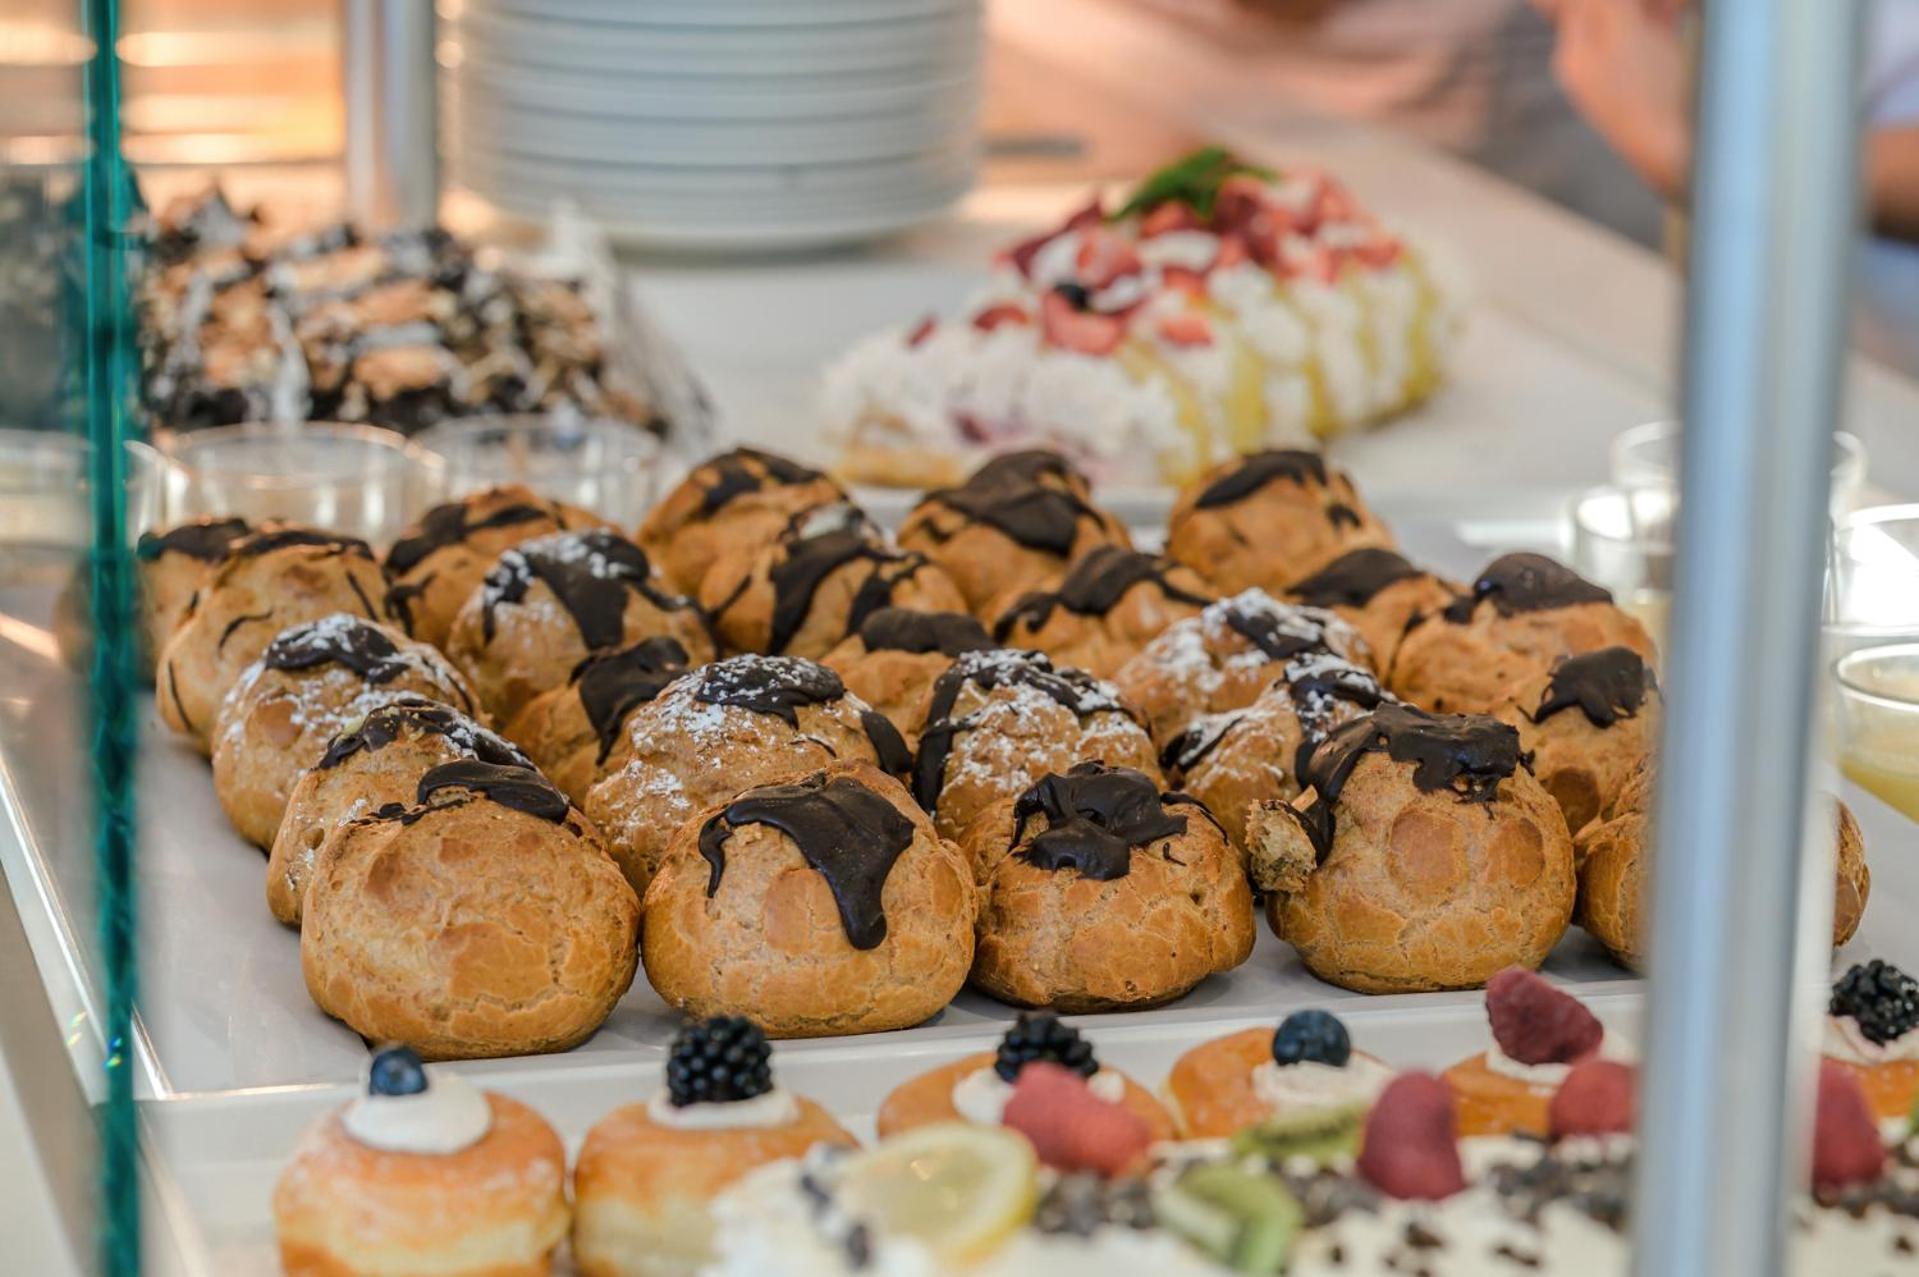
[
  {"x": 1322, "y": 1135},
  {"x": 1245, "y": 1220}
]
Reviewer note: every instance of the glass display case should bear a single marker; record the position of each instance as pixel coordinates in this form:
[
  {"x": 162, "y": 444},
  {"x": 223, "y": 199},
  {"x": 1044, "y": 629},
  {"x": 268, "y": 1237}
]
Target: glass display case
[{"x": 1123, "y": 621}]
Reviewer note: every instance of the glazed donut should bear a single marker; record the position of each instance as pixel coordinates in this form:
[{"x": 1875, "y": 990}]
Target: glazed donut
[
  {"x": 269, "y": 580},
  {"x": 737, "y": 501},
  {"x": 437, "y": 563},
  {"x": 1111, "y": 603},
  {"x": 486, "y": 919},
  {"x": 571, "y": 730},
  {"x": 1379, "y": 592},
  {"x": 371, "y": 763},
  {"x": 1588, "y": 723},
  {"x": 551, "y": 602},
  {"x": 825, "y": 906},
  {"x": 1269, "y": 519},
  {"x": 895, "y": 657},
  {"x": 174, "y": 566},
  {"x": 313, "y": 681}
]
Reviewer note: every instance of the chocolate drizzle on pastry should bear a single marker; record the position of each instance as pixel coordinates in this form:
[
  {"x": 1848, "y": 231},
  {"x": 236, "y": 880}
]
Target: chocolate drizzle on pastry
[
  {"x": 1467, "y": 755},
  {"x": 1027, "y": 466},
  {"x": 1355, "y": 578},
  {"x": 1279, "y": 631},
  {"x": 734, "y": 477},
  {"x": 1196, "y": 741},
  {"x": 611, "y": 685},
  {"x": 1094, "y": 585},
  {"x": 889, "y": 747},
  {"x": 811, "y": 558},
  {"x": 591, "y": 573},
  {"x": 1095, "y": 815},
  {"x": 899, "y": 629},
  {"x": 417, "y": 715},
  {"x": 1258, "y": 470},
  {"x": 1035, "y": 515},
  {"x": 204, "y": 539},
  {"x": 1319, "y": 684},
  {"x": 257, "y": 543},
  {"x": 776, "y": 685},
  {"x": 1606, "y": 686},
  {"x": 1516, "y": 583},
  {"x": 850, "y": 835},
  {"x": 337, "y": 640},
  {"x": 1072, "y": 689},
  {"x": 520, "y": 788},
  {"x": 449, "y": 524}
]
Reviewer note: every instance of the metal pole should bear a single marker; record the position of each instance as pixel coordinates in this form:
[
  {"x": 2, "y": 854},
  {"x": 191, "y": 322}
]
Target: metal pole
[
  {"x": 1727, "y": 1088},
  {"x": 389, "y": 78}
]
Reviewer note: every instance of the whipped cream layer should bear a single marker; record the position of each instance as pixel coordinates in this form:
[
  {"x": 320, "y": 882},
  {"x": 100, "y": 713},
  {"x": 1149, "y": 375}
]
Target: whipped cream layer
[
  {"x": 1843, "y": 1040},
  {"x": 777, "y": 1107},
  {"x": 1548, "y": 1076},
  {"x": 450, "y": 1115},
  {"x": 980, "y": 1097},
  {"x": 1310, "y": 1085}
]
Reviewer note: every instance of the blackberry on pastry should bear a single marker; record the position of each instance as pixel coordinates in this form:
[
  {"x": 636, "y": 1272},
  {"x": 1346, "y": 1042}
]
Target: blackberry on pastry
[
  {"x": 1523, "y": 613},
  {"x": 892, "y": 661},
  {"x": 1098, "y": 892},
  {"x": 735, "y": 502},
  {"x": 1268, "y": 520},
  {"x": 822, "y": 906},
  {"x": 548, "y": 604},
  {"x": 1872, "y": 1031},
  {"x": 437, "y": 563},
  {"x": 373, "y": 762},
  {"x": 269, "y": 581},
  {"x": 571, "y": 730},
  {"x": 313, "y": 681},
  {"x": 1422, "y": 854},
  {"x": 1111, "y": 603},
  {"x": 1379, "y": 592},
  {"x": 1588, "y": 723},
  {"x": 482, "y": 919},
  {"x": 740, "y": 722}
]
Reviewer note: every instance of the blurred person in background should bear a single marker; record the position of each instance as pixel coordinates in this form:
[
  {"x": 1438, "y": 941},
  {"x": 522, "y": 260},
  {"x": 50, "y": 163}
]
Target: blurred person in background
[{"x": 1624, "y": 63}]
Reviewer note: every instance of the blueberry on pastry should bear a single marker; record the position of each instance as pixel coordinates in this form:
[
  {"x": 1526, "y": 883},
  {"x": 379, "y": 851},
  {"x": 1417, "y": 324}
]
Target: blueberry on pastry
[
  {"x": 1098, "y": 892},
  {"x": 269, "y": 581},
  {"x": 1111, "y": 603},
  {"x": 1305, "y": 1077},
  {"x": 1269, "y": 520},
  {"x": 823, "y": 906},
  {"x": 313, "y": 681},
  {"x": 548, "y": 604},
  {"x": 735, "y": 502}
]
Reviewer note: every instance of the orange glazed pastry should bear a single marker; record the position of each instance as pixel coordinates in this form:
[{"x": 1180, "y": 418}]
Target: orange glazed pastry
[
  {"x": 1539, "y": 1033},
  {"x": 1872, "y": 1030}
]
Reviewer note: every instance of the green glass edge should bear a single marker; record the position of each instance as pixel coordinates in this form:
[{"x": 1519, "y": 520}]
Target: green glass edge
[{"x": 108, "y": 369}]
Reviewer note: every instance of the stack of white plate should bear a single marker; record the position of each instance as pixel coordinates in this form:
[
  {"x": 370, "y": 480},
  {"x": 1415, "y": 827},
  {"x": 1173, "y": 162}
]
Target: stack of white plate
[{"x": 719, "y": 124}]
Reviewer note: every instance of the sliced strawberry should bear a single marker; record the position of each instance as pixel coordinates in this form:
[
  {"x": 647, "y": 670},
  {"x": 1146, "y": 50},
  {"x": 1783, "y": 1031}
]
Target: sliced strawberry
[
  {"x": 1187, "y": 328},
  {"x": 1183, "y": 279},
  {"x": 1071, "y": 328},
  {"x": 1846, "y": 1148},
  {"x": 1232, "y": 251},
  {"x": 1411, "y": 1146},
  {"x": 1000, "y": 313},
  {"x": 1071, "y": 1128},
  {"x": 921, "y": 331},
  {"x": 1242, "y": 198},
  {"x": 1534, "y": 1023},
  {"x": 1021, "y": 254},
  {"x": 1173, "y": 215},
  {"x": 1378, "y": 252},
  {"x": 1312, "y": 261},
  {"x": 1335, "y": 203},
  {"x": 1103, "y": 257},
  {"x": 1595, "y": 1099}
]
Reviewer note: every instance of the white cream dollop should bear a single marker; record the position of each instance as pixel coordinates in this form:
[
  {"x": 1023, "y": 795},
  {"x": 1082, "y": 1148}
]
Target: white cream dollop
[
  {"x": 1549, "y": 1076},
  {"x": 1309, "y": 1084},
  {"x": 776, "y": 1107},
  {"x": 450, "y": 1115},
  {"x": 980, "y": 1097},
  {"x": 1844, "y": 1041}
]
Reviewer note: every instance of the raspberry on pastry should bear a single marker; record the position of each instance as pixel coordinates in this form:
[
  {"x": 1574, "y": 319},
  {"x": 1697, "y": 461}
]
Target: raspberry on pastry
[
  {"x": 174, "y": 566},
  {"x": 1303, "y": 1078},
  {"x": 736, "y": 501},
  {"x": 423, "y": 1173},
  {"x": 1007, "y": 529},
  {"x": 570, "y": 731},
  {"x": 1523, "y": 613},
  {"x": 1539, "y": 1034},
  {"x": 549, "y": 603},
  {"x": 1111, "y": 603},
  {"x": 1422, "y": 855},
  {"x": 369, "y": 764},
  {"x": 731, "y": 725},
  {"x": 1235, "y": 760},
  {"x": 438, "y": 562},
  {"x": 1100, "y": 893},
  {"x": 484, "y": 919},
  {"x": 1268, "y": 520},
  {"x": 312, "y": 682},
  {"x": 1226, "y": 656},
  {"x": 814, "y": 584},
  {"x": 977, "y": 1088},
  {"x": 1000, "y": 719},
  {"x": 1614, "y": 864},
  {"x": 1588, "y": 723},
  {"x": 1872, "y": 1032},
  {"x": 823, "y": 906},
  {"x": 647, "y": 1172},
  {"x": 892, "y": 661},
  {"x": 270, "y": 580},
  {"x": 1379, "y": 592}
]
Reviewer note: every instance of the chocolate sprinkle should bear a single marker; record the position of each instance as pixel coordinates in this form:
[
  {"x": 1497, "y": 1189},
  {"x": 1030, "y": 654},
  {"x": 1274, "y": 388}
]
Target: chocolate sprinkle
[
  {"x": 1094, "y": 585},
  {"x": 850, "y": 835},
  {"x": 733, "y": 477},
  {"x": 1516, "y": 583},
  {"x": 448, "y": 524},
  {"x": 521, "y": 788},
  {"x": 611, "y": 685},
  {"x": 338, "y": 640},
  {"x": 591, "y": 573},
  {"x": 416, "y": 714},
  {"x": 204, "y": 539},
  {"x": 1261, "y": 468},
  {"x": 776, "y": 685},
  {"x": 1606, "y": 686},
  {"x": 898, "y": 629},
  {"x": 1095, "y": 815},
  {"x": 1355, "y": 578}
]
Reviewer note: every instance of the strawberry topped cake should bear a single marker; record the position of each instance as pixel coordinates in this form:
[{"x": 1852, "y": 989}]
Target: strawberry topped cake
[{"x": 1221, "y": 309}]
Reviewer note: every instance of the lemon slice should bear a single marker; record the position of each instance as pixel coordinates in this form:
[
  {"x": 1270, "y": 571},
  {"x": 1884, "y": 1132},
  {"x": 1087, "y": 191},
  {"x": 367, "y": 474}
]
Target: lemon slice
[{"x": 960, "y": 1190}]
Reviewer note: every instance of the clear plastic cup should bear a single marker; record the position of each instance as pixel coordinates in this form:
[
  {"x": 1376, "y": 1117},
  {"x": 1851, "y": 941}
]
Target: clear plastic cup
[
  {"x": 1647, "y": 456},
  {"x": 1622, "y": 538},
  {"x": 607, "y": 466},
  {"x": 44, "y": 489}
]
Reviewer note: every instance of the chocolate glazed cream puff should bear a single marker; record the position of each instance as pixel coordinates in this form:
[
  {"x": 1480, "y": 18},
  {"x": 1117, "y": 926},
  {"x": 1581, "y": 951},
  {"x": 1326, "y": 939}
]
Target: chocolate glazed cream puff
[
  {"x": 571, "y": 731},
  {"x": 976, "y": 1088},
  {"x": 897, "y": 654},
  {"x": 1112, "y": 602},
  {"x": 423, "y": 1174},
  {"x": 1588, "y": 723},
  {"x": 647, "y": 1172},
  {"x": 825, "y": 906},
  {"x": 1423, "y": 855},
  {"x": 1268, "y": 520},
  {"x": 738, "y": 500},
  {"x": 1098, "y": 892},
  {"x": 1304, "y": 1077},
  {"x": 1380, "y": 592},
  {"x": 174, "y": 566}
]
